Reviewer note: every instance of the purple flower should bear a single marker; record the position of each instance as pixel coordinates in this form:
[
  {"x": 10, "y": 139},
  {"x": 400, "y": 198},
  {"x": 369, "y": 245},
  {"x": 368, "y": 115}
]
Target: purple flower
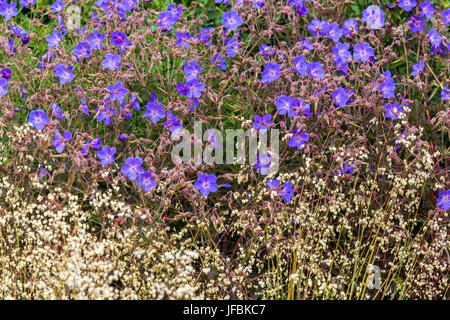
[
  {"x": 297, "y": 107},
  {"x": 120, "y": 40},
  {"x": 334, "y": 32},
  {"x": 443, "y": 200},
  {"x": 183, "y": 39},
  {"x": 341, "y": 53},
  {"x": 132, "y": 168},
  {"x": 298, "y": 139},
  {"x": 27, "y": 3},
  {"x": 273, "y": 184},
  {"x": 374, "y": 16},
  {"x": 64, "y": 74},
  {"x": 266, "y": 51},
  {"x": 166, "y": 21},
  {"x": 57, "y": 6},
  {"x": 57, "y": 110},
  {"x": 155, "y": 110},
  {"x": 106, "y": 155},
  {"x": 123, "y": 137},
  {"x": 82, "y": 50},
  {"x": 350, "y": 27},
  {"x": 262, "y": 123},
  {"x": 418, "y": 68},
  {"x": 8, "y": 10},
  {"x": 192, "y": 70},
  {"x": 271, "y": 72},
  {"x": 445, "y": 93},
  {"x": 427, "y": 10},
  {"x": 220, "y": 62},
  {"x": 287, "y": 191},
  {"x": 117, "y": 92},
  {"x": 206, "y": 184},
  {"x": 392, "y": 110},
  {"x": 95, "y": 144},
  {"x": 232, "y": 20},
  {"x": 387, "y": 88},
  {"x": 407, "y": 5},
  {"x": 38, "y": 119},
  {"x": 300, "y": 65},
  {"x": 6, "y": 73},
  {"x": 96, "y": 40},
  {"x": 258, "y": 4},
  {"x": 435, "y": 38},
  {"x": 106, "y": 114},
  {"x": 283, "y": 104},
  {"x": 206, "y": 35},
  {"x": 111, "y": 61},
  {"x": 315, "y": 70},
  {"x": 172, "y": 122},
  {"x": 59, "y": 142},
  {"x": 84, "y": 107},
  {"x": 146, "y": 181},
  {"x": 42, "y": 172},
  {"x": 446, "y": 16},
  {"x": 317, "y": 27},
  {"x": 417, "y": 23},
  {"x": 341, "y": 96},
  {"x": 263, "y": 163},
  {"x": 3, "y": 87},
  {"x": 194, "y": 88},
  {"x": 362, "y": 52},
  {"x": 232, "y": 47},
  {"x": 54, "y": 39}
]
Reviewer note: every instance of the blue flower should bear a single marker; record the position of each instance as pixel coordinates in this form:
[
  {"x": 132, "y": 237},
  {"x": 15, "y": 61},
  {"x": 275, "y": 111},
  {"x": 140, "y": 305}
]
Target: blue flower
[
  {"x": 283, "y": 104},
  {"x": 263, "y": 163},
  {"x": 341, "y": 97},
  {"x": 445, "y": 93},
  {"x": 3, "y": 87},
  {"x": 155, "y": 110},
  {"x": 206, "y": 184},
  {"x": 350, "y": 27},
  {"x": 298, "y": 139},
  {"x": 82, "y": 50},
  {"x": 111, "y": 61},
  {"x": 183, "y": 39},
  {"x": 117, "y": 92},
  {"x": 417, "y": 23},
  {"x": 206, "y": 35},
  {"x": 120, "y": 40},
  {"x": 220, "y": 62},
  {"x": 317, "y": 27},
  {"x": 407, "y": 5},
  {"x": 334, "y": 32},
  {"x": 341, "y": 53},
  {"x": 166, "y": 21},
  {"x": 132, "y": 168},
  {"x": 387, "y": 88},
  {"x": 106, "y": 114},
  {"x": 192, "y": 70},
  {"x": 59, "y": 142},
  {"x": 194, "y": 88},
  {"x": 106, "y": 155},
  {"x": 392, "y": 110},
  {"x": 374, "y": 16},
  {"x": 54, "y": 39},
  {"x": 96, "y": 40},
  {"x": 57, "y": 6},
  {"x": 297, "y": 107},
  {"x": 38, "y": 119},
  {"x": 27, "y": 3},
  {"x": 427, "y": 10},
  {"x": 172, "y": 122},
  {"x": 8, "y": 10},
  {"x": 146, "y": 181},
  {"x": 232, "y": 20},
  {"x": 446, "y": 16},
  {"x": 57, "y": 110},
  {"x": 362, "y": 52},
  {"x": 287, "y": 193},
  {"x": 443, "y": 200},
  {"x": 232, "y": 47},
  {"x": 273, "y": 184},
  {"x": 271, "y": 72},
  {"x": 418, "y": 68},
  {"x": 258, "y": 4},
  {"x": 262, "y": 123},
  {"x": 300, "y": 65},
  {"x": 435, "y": 37},
  {"x": 315, "y": 70},
  {"x": 64, "y": 74}
]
